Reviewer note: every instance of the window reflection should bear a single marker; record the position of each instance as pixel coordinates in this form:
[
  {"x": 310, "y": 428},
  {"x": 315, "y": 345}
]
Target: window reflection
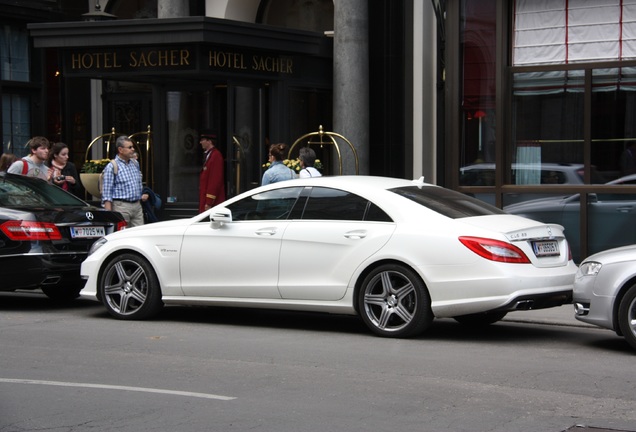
[
  {"x": 547, "y": 127},
  {"x": 610, "y": 221},
  {"x": 613, "y": 127}
]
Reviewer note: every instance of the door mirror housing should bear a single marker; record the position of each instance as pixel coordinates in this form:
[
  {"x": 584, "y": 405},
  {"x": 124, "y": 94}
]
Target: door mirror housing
[{"x": 219, "y": 217}]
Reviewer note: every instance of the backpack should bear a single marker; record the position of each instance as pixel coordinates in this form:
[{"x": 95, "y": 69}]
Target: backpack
[
  {"x": 25, "y": 167},
  {"x": 100, "y": 181}
]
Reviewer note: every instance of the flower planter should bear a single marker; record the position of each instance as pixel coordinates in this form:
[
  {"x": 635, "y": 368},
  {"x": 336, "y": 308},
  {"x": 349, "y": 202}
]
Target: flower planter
[{"x": 91, "y": 184}]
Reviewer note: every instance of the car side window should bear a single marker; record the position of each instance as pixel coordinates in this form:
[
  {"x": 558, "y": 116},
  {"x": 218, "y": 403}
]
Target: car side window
[
  {"x": 335, "y": 204},
  {"x": 275, "y": 204}
]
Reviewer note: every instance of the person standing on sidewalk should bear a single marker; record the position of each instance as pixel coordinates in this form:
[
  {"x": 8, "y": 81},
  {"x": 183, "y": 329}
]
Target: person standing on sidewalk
[
  {"x": 122, "y": 191},
  {"x": 212, "y": 178},
  {"x": 34, "y": 165}
]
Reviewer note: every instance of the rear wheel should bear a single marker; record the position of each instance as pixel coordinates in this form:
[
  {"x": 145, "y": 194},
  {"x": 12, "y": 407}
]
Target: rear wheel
[
  {"x": 627, "y": 316},
  {"x": 480, "y": 319},
  {"x": 393, "y": 302},
  {"x": 129, "y": 288}
]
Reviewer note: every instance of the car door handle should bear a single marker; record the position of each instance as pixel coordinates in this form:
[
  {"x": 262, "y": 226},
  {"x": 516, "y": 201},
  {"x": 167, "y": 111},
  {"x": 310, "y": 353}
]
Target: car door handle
[
  {"x": 625, "y": 209},
  {"x": 266, "y": 232},
  {"x": 356, "y": 235}
]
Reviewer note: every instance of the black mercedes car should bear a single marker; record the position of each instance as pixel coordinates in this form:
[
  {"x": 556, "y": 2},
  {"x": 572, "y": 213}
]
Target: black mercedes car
[{"x": 45, "y": 234}]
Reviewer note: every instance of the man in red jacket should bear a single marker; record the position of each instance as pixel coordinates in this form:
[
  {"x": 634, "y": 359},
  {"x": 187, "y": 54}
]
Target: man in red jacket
[{"x": 212, "y": 178}]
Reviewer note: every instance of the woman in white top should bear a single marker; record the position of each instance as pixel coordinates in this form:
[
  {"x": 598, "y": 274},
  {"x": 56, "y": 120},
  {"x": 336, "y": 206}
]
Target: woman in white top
[{"x": 307, "y": 159}]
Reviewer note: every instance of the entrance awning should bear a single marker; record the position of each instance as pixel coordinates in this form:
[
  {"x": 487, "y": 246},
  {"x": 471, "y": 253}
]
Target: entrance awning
[{"x": 189, "y": 46}]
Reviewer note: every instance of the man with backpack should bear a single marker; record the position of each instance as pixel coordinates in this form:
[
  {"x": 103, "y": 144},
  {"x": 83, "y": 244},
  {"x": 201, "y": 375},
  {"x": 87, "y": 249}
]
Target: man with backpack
[
  {"x": 33, "y": 165},
  {"x": 122, "y": 187}
]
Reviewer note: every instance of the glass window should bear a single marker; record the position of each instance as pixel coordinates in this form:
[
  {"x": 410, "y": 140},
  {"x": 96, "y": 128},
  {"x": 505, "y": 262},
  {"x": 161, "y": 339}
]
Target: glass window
[
  {"x": 613, "y": 126},
  {"x": 547, "y": 124},
  {"x": 276, "y": 204},
  {"x": 447, "y": 202},
  {"x": 478, "y": 51},
  {"x": 16, "y": 123},
  {"x": 335, "y": 204},
  {"x": 186, "y": 113},
  {"x": 14, "y": 54},
  {"x": 610, "y": 221}
]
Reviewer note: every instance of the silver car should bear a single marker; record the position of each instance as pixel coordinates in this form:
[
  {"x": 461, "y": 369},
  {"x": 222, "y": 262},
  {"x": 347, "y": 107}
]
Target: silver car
[{"x": 605, "y": 291}]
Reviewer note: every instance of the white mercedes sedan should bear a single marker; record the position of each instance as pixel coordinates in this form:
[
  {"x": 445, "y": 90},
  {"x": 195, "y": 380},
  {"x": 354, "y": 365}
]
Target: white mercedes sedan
[{"x": 395, "y": 252}]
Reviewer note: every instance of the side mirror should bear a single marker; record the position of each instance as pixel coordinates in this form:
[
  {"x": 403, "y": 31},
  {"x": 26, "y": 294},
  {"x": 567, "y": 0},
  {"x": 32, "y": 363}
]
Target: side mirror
[{"x": 219, "y": 217}]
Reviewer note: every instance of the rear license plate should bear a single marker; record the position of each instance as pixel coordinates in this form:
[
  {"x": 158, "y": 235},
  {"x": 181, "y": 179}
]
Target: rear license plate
[
  {"x": 546, "y": 248},
  {"x": 87, "y": 232}
]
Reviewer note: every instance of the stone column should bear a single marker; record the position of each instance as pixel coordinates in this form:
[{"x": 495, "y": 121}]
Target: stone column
[
  {"x": 173, "y": 8},
  {"x": 351, "y": 81}
]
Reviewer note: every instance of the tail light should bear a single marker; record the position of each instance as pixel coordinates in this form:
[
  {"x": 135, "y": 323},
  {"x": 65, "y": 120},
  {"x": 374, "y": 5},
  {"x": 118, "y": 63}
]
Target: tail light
[
  {"x": 120, "y": 225},
  {"x": 30, "y": 231},
  {"x": 495, "y": 250}
]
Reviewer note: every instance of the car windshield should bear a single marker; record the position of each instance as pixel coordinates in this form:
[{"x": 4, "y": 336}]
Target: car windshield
[
  {"x": 449, "y": 203},
  {"x": 19, "y": 191}
]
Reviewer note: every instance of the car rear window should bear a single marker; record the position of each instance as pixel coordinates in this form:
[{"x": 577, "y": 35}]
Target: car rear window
[
  {"x": 18, "y": 191},
  {"x": 449, "y": 203}
]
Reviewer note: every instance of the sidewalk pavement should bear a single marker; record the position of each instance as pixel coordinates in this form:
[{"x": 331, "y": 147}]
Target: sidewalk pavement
[{"x": 562, "y": 315}]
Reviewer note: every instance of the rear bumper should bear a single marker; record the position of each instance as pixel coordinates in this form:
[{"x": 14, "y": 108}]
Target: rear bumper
[
  {"x": 34, "y": 271},
  {"x": 537, "y": 301}
]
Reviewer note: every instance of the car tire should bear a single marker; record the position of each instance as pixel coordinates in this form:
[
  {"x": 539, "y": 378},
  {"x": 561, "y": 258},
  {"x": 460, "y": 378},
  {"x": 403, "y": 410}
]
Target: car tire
[
  {"x": 60, "y": 294},
  {"x": 480, "y": 319},
  {"x": 129, "y": 288},
  {"x": 394, "y": 302},
  {"x": 627, "y": 316}
]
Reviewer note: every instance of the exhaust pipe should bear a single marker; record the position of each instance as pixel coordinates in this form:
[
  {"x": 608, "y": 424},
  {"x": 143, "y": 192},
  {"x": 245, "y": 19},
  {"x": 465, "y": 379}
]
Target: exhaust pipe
[
  {"x": 51, "y": 280},
  {"x": 524, "y": 305}
]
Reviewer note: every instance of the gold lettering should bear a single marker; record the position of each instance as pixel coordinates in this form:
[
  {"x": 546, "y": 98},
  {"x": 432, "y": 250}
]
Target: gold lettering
[
  {"x": 226, "y": 60},
  {"x": 162, "y": 57},
  {"x": 76, "y": 61},
  {"x": 105, "y": 60},
  {"x": 133, "y": 59},
  {"x": 185, "y": 57},
  {"x": 272, "y": 64}
]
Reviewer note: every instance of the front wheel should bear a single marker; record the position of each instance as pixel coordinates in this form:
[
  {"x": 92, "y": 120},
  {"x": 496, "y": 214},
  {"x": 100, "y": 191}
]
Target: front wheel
[
  {"x": 129, "y": 288},
  {"x": 393, "y": 302},
  {"x": 627, "y": 316}
]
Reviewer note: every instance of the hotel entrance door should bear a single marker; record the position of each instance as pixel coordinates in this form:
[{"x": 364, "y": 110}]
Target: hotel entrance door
[{"x": 239, "y": 116}]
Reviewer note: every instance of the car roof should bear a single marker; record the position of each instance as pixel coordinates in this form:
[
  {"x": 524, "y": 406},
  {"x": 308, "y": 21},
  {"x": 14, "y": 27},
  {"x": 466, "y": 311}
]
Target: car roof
[{"x": 353, "y": 182}]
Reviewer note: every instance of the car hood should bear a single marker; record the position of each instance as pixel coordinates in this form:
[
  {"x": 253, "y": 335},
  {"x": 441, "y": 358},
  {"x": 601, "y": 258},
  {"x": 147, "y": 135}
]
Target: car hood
[
  {"x": 516, "y": 228},
  {"x": 152, "y": 228},
  {"x": 615, "y": 255}
]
